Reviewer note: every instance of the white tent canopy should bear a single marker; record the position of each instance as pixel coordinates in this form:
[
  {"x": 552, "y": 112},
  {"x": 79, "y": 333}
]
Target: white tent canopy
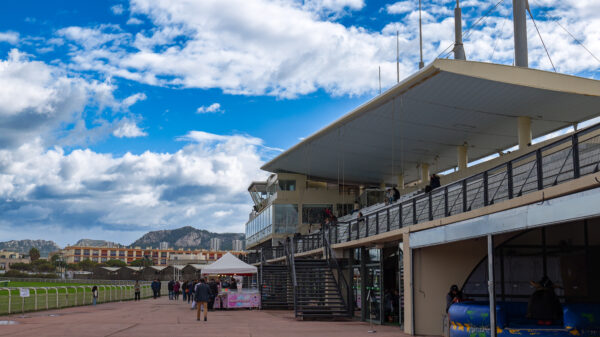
[{"x": 229, "y": 264}]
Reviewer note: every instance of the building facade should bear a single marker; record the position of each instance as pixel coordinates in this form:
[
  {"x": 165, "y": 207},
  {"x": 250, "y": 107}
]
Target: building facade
[
  {"x": 159, "y": 257},
  {"x": 237, "y": 245},
  {"x": 215, "y": 244},
  {"x": 291, "y": 203}
]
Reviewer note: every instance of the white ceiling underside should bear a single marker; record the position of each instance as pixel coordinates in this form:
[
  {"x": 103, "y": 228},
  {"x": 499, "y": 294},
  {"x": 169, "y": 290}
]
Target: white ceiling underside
[{"x": 424, "y": 119}]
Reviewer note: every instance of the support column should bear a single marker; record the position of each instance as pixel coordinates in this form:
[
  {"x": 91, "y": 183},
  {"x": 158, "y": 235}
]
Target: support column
[
  {"x": 409, "y": 326},
  {"x": 491, "y": 285},
  {"x": 400, "y": 182},
  {"x": 425, "y": 173},
  {"x": 382, "y": 186},
  {"x": 524, "y": 131},
  {"x": 463, "y": 158}
]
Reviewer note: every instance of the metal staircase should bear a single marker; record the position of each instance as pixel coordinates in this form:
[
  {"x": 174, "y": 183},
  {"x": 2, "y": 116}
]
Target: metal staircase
[{"x": 312, "y": 287}]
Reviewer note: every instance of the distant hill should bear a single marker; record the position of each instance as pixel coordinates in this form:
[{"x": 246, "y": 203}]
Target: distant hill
[
  {"x": 23, "y": 246},
  {"x": 95, "y": 243},
  {"x": 186, "y": 237}
]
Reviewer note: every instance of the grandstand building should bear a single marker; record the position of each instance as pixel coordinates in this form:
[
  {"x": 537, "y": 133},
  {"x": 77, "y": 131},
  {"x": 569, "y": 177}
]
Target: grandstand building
[{"x": 518, "y": 154}]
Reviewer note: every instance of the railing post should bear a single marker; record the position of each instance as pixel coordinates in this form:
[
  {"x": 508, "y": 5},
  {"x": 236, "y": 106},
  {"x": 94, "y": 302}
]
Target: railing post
[
  {"x": 575, "y": 151},
  {"x": 485, "y": 189},
  {"x": 388, "y": 219},
  {"x": 509, "y": 174},
  {"x": 376, "y": 223},
  {"x": 540, "y": 171},
  {"x": 366, "y": 225},
  {"x": 358, "y": 228},
  {"x": 350, "y": 229},
  {"x": 430, "y": 201},
  {"x": 414, "y": 207},
  {"x": 446, "y": 211},
  {"x": 400, "y": 215},
  {"x": 464, "y": 193}
]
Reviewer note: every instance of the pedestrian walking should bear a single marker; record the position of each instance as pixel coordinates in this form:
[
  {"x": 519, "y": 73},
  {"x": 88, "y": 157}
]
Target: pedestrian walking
[
  {"x": 184, "y": 290},
  {"x": 202, "y": 297},
  {"x": 136, "y": 288},
  {"x": 214, "y": 290},
  {"x": 176, "y": 290},
  {"x": 94, "y": 295}
]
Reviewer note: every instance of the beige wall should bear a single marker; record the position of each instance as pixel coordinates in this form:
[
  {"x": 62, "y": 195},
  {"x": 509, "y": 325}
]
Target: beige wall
[{"x": 435, "y": 270}]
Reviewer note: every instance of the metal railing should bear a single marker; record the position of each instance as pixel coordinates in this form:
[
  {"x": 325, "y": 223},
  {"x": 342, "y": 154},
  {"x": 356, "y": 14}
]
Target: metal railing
[
  {"x": 341, "y": 282},
  {"x": 558, "y": 162},
  {"x": 290, "y": 251},
  {"x": 58, "y": 297}
]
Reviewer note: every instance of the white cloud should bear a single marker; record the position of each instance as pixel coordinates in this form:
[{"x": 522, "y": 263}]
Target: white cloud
[
  {"x": 227, "y": 44},
  {"x": 215, "y": 107},
  {"x": 42, "y": 100},
  {"x": 117, "y": 9},
  {"x": 134, "y": 21},
  {"x": 128, "y": 129},
  {"x": 332, "y": 7},
  {"x": 400, "y": 7},
  {"x": 10, "y": 37},
  {"x": 131, "y": 100},
  {"x": 118, "y": 195}
]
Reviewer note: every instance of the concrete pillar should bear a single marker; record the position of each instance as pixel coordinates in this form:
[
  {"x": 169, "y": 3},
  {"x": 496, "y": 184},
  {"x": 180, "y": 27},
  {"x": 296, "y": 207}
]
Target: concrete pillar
[
  {"x": 524, "y": 131},
  {"x": 463, "y": 158},
  {"x": 425, "y": 173},
  {"x": 408, "y": 286},
  {"x": 361, "y": 189},
  {"x": 400, "y": 182},
  {"x": 382, "y": 186}
]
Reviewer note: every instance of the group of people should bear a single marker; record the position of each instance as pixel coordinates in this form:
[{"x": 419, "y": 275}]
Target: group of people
[
  {"x": 392, "y": 195},
  {"x": 543, "y": 306}
]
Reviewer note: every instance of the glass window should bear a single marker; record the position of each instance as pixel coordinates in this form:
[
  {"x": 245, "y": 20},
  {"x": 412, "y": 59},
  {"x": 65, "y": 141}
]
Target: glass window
[
  {"x": 287, "y": 185},
  {"x": 113, "y": 253},
  {"x": 314, "y": 214},
  {"x": 77, "y": 251},
  {"x": 286, "y": 218}
]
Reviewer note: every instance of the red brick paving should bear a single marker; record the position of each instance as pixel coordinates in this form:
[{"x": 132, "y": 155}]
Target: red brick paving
[{"x": 162, "y": 317}]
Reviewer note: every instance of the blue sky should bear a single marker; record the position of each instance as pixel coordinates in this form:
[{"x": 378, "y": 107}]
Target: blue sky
[{"x": 119, "y": 117}]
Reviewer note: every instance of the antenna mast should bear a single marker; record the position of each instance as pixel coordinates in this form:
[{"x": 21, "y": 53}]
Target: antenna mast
[
  {"x": 421, "y": 64},
  {"x": 397, "y": 57},
  {"x": 459, "y": 50},
  {"x": 520, "y": 24},
  {"x": 380, "y": 80}
]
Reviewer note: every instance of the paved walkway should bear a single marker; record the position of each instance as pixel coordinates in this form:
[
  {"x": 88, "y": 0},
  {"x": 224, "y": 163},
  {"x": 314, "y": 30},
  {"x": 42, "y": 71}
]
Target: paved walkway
[{"x": 162, "y": 317}]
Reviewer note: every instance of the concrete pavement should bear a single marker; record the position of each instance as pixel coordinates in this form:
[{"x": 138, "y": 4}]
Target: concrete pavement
[{"x": 162, "y": 317}]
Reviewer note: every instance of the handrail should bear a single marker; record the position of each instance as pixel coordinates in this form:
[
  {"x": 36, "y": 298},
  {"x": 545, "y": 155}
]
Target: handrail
[
  {"x": 332, "y": 261},
  {"x": 292, "y": 266}
]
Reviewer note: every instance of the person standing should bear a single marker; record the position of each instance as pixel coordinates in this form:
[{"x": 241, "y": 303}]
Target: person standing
[
  {"x": 176, "y": 290},
  {"x": 136, "y": 288},
  {"x": 203, "y": 294},
  {"x": 184, "y": 287},
  {"x": 214, "y": 290},
  {"x": 170, "y": 288},
  {"x": 94, "y": 295},
  {"x": 155, "y": 288}
]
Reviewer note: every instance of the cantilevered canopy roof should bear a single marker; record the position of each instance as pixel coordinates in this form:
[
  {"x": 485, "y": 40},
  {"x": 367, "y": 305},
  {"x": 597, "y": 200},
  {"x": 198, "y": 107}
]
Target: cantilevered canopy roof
[{"x": 424, "y": 118}]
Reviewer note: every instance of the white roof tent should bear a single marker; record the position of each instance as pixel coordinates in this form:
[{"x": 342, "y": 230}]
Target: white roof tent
[
  {"x": 228, "y": 264},
  {"x": 424, "y": 118}
]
